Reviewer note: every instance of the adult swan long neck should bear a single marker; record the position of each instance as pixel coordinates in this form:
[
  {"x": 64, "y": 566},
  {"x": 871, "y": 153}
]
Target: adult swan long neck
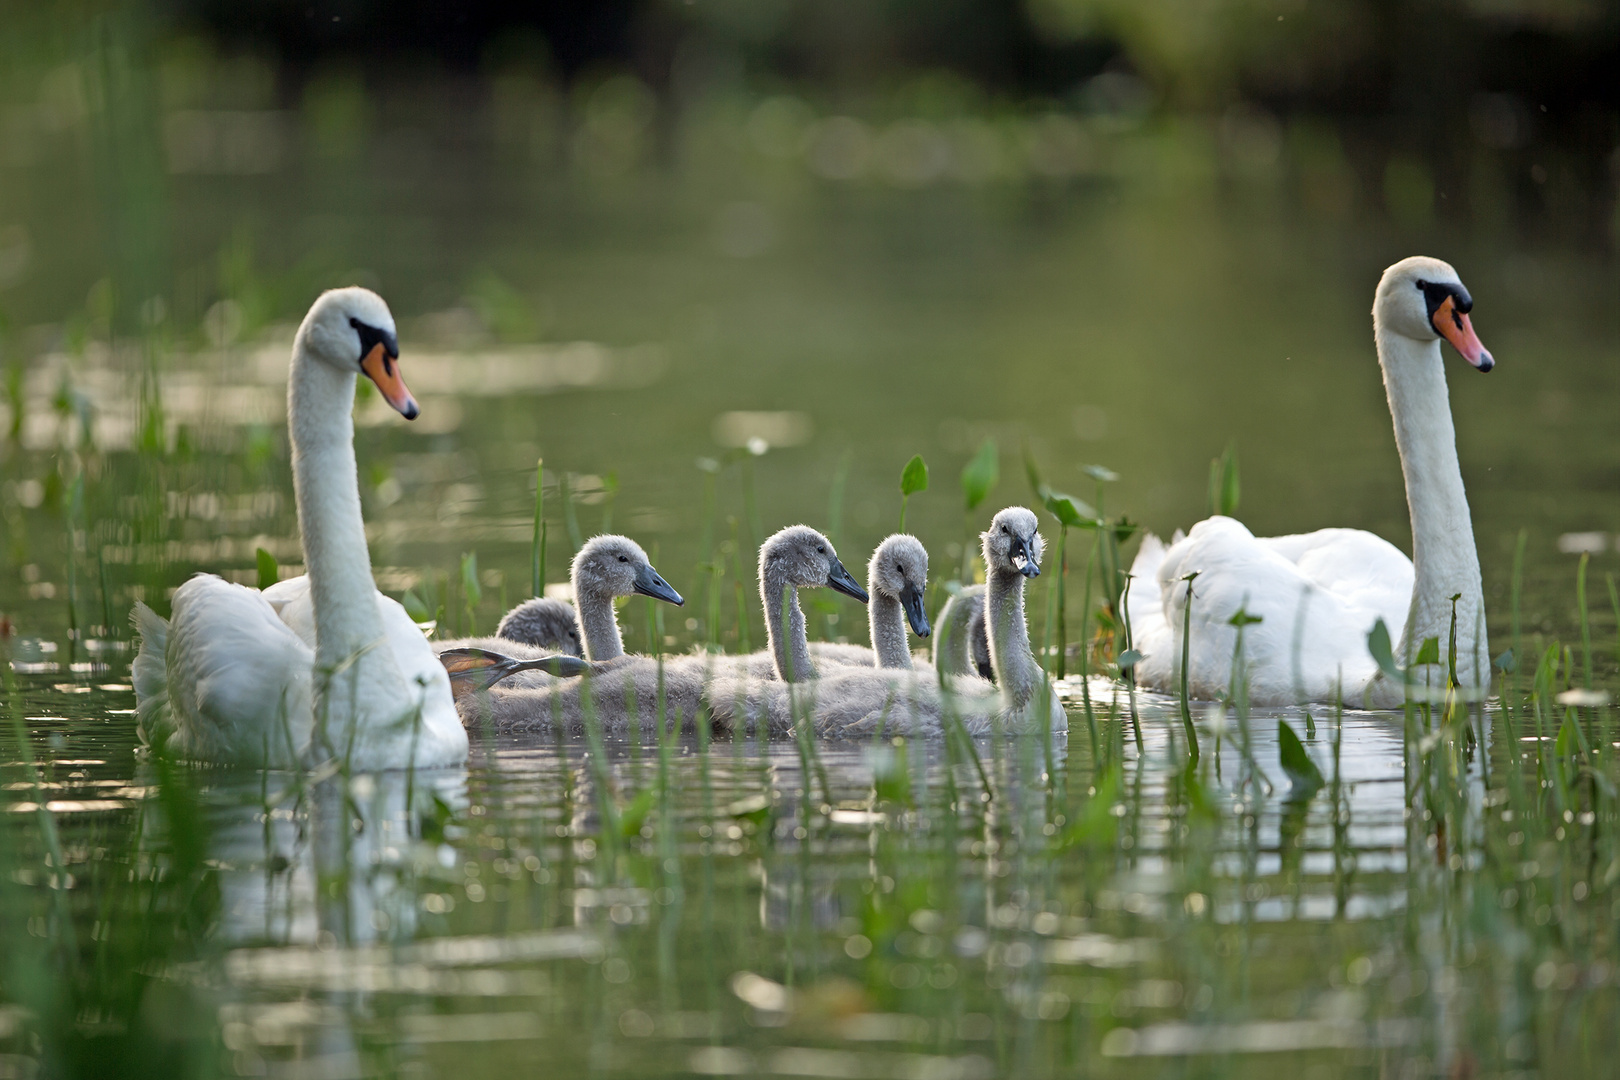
[
  {"x": 1419, "y": 301},
  {"x": 356, "y": 672}
]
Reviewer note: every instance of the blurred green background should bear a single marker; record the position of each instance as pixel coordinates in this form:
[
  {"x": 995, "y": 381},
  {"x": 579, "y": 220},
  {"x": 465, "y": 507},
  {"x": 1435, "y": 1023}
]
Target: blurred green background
[{"x": 637, "y": 237}]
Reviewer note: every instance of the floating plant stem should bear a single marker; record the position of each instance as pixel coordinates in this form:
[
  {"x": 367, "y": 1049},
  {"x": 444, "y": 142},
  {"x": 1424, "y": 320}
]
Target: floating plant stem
[
  {"x": 1614, "y": 602},
  {"x": 1186, "y": 643},
  {"x": 570, "y": 516},
  {"x": 537, "y": 546},
  {"x": 1586, "y": 623},
  {"x": 1085, "y": 651}
]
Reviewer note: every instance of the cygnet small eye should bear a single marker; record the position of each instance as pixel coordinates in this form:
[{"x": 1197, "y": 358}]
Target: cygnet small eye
[
  {"x": 624, "y": 558},
  {"x": 900, "y": 568},
  {"x": 821, "y": 549},
  {"x": 1005, "y": 531}
]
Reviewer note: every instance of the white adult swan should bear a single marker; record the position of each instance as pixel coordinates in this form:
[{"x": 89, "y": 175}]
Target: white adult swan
[
  {"x": 323, "y": 666},
  {"x": 1318, "y": 594},
  {"x": 854, "y": 701}
]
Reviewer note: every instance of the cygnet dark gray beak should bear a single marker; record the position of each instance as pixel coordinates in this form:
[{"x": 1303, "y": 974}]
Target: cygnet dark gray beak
[
  {"x": 648, "y": 583},
  {"x": 1023, "y": 559},
  {"x": 911, "y": 599},
  {"x": 838, "y": 578}
]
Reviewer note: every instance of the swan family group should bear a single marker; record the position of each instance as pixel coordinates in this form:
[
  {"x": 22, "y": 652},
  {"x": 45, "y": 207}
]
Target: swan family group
[{"x": 324, "y": 667}]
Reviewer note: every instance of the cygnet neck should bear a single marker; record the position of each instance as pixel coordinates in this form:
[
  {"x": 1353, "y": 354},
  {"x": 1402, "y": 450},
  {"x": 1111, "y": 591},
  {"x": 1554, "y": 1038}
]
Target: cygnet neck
[
  {"x": 326, "y": 485},
  {"x": 1445, "y": 561},
  {"x": 887, "y": 620},
  {"x": 792, "y": 655},
  {"x": 1017, "y": 673},
  {"x": 598, "y": 624}
]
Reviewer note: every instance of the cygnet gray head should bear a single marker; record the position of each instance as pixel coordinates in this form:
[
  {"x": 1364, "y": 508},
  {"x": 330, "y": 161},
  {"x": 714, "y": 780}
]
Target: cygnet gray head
[
  {"x": 544, "y": 623},
  {"x": 802, "y": 557},
  {"x": 616, "y": 566},
  {"x": 1013, "y": 542},
  {"x": 899, "y": 569}
]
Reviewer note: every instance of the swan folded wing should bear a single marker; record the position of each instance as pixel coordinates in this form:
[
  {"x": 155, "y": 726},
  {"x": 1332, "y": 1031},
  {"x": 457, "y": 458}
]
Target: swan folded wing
[
  {"x": 1367, "y": 573},
  {"x": 294, "y": 605},
  {"x": 239, "y": 681},
  {"x": 1286, "y": 661}
]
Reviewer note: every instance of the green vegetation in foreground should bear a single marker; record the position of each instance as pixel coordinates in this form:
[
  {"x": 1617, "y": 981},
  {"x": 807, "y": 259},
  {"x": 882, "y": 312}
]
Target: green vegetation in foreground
[{"x": 667, "y": 906}]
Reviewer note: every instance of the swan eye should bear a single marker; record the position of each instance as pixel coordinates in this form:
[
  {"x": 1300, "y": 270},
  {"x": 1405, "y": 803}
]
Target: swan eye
[
  {"x": 1005, "y": 531},
  {"x": 900, "y": 568},
  {"x": 624, "y": 558},
  {"x": 821, "y": 549}
]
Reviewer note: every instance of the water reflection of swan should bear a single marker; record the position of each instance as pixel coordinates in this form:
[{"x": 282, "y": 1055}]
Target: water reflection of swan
[
  {"x": 300, "y": 859},
  {"x": 1320, "y": 593},
  {"x": 320, "y": 666}
]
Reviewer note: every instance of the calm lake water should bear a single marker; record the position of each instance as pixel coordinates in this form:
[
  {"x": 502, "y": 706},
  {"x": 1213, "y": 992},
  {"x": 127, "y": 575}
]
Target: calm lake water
[{"x": 1159, "y": 294}]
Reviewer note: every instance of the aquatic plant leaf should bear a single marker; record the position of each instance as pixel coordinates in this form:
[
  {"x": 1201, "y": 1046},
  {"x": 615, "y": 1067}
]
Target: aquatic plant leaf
[
  {"x": 269, "y": 569},
  {"x": 1096, "y": 823},
  {"x": 1071, "y": 513},
  {"x": 1507, "y": 663},
  {"x": 432, "y": 818},
  {"x": 1241, "y": 618},
  {"x": 980, "y": 474},
  {"x": 914, "y": 477},
  {"x": 1197, "y": 796},
  {"x": 1129, "y": 659},
  {"x": 1304, "y": 778},
  {"x": 634, "y": 816},
  {"x": 1124, "y": 529},
  {"x": 891, "y": 778},
  {"x": 1428, "y": 652},
  {"x": 754, "y": 808},
  {"x": 1383, "y": 652},
  {"x": 470, "y": 587},
  {"x": 1224, "y": 487},
  {"x": 1568, "y": 738},
  {"x": 1100, "y": 473}
]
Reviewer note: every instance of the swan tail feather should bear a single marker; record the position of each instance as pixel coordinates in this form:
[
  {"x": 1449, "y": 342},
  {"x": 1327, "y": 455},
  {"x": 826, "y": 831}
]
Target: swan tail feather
[
  {"x": 150, "y": 671},
  {"x": 1146, "y": 595}
]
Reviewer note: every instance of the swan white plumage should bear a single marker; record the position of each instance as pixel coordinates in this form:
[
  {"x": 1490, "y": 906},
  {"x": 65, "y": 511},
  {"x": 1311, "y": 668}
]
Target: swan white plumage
[
  {"x": 321, "y": 666},
  {"x": 1319, "y": 594}
]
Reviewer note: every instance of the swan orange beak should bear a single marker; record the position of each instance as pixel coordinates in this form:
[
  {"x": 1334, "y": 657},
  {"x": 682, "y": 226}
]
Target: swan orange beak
[
  {"x": 383, "y": 370},
  {"x": 1454, "y": 326}
]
